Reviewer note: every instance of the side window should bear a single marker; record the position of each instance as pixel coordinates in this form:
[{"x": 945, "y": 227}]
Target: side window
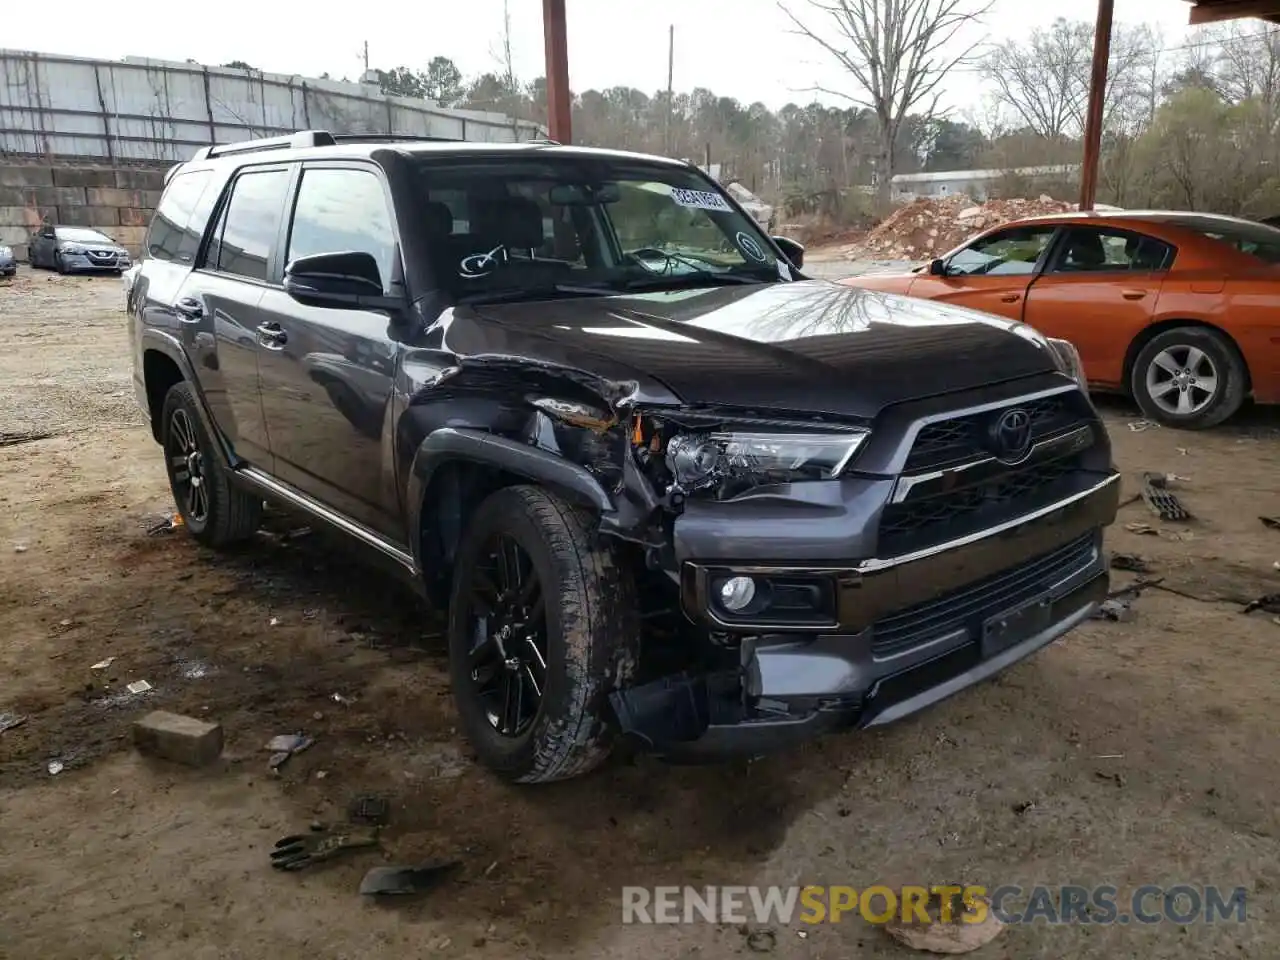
[
  {"x": 339, "y": 211},
  {"x": 250, "y": 221},
  {"x": 1006, "y": 252},
  {"x": 1093, "y": 250},
  {"x": 177, "y": 226}
]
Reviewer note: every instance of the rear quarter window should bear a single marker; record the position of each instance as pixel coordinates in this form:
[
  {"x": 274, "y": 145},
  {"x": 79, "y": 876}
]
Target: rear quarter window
[{"x": 181, "y": 217}]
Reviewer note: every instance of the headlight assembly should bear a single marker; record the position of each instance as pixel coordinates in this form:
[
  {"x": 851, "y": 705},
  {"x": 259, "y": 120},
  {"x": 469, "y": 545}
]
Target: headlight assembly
[
  {"x": 752, "y": 457},
  {"x": 1068, "y": 359}
]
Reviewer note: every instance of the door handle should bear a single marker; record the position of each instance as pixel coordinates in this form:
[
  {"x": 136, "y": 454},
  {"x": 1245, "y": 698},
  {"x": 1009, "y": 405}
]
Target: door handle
[
  {"x": 271, "y": 336},
  {"x": 1133, "y": 294},
  {"x": 1010, "y": 298},
  {"x": 189, "y": 310}
]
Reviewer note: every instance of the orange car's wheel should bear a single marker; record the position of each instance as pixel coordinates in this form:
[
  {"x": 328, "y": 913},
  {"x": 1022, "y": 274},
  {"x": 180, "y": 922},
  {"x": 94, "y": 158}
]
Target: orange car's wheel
[{"x": 1189, "y": 377}]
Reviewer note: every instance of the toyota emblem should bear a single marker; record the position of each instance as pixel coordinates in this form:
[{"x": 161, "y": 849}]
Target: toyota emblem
[{"x": 1010, "y": 436}]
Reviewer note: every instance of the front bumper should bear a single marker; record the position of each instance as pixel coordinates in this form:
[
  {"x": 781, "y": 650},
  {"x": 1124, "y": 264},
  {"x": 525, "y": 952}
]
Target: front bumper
[
  {"x": 908, "y": 632},
  {"x": 84, "y": 263}
]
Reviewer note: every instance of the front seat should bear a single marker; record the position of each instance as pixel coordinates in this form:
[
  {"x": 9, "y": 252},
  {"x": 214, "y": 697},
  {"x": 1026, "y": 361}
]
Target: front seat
[{"x": 1085, "y": 252}]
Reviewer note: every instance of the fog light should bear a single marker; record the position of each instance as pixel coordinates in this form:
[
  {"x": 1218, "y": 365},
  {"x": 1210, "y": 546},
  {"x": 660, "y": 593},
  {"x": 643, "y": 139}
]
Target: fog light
[{"x": 736, "y": 593}]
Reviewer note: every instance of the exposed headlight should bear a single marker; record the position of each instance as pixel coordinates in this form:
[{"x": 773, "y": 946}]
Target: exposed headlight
[
  {"x": 699, "y": 460},
  {"x": 1068, "y": 359}
]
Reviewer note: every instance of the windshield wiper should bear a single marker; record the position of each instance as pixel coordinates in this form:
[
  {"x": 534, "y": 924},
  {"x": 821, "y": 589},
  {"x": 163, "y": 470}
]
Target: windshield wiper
[
  {"x": 517, "y": 294},
  {"x": 701, "y": 278}
]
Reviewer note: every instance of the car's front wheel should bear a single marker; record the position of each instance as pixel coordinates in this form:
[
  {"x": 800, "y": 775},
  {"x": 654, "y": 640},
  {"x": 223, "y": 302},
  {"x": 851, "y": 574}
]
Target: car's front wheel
[
  {"x": 1190, "y": 377},
  {"x": 215, "y": 511},
  {"x": 543, "y": 624}
]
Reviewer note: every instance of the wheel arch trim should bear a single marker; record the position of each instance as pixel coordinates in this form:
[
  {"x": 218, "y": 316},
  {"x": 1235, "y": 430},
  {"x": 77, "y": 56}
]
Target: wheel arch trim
[
  {"x": 170, "y": 346},
  {"x": 456, "y": 444}
]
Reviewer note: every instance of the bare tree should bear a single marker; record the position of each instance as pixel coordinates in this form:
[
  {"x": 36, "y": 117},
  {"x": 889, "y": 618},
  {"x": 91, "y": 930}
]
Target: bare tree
[
  {"x": 1248, "y": 66},
  {"x": 896, "y": 52},
  {"x": 1045, "y": 82}
]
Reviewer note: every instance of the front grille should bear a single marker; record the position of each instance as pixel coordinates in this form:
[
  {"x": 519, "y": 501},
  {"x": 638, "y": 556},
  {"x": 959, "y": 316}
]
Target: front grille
[
  {"x": 960, "y": 438},
  {"x": 1018, "y": 483},
  {"x": 970, "y": 606}
]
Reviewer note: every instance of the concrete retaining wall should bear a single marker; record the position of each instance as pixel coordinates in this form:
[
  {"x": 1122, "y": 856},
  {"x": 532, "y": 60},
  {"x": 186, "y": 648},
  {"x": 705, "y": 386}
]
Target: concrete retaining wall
[{"x": 117, "y": 201}]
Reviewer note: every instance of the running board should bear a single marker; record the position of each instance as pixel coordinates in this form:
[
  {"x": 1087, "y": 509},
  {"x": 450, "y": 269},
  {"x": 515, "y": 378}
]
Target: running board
[{"x": 272, "y": 488}]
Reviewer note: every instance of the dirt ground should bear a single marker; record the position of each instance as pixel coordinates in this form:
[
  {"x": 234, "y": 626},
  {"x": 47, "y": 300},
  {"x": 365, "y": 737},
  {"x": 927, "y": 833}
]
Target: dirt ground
[{"x": 1128, "y": 753}]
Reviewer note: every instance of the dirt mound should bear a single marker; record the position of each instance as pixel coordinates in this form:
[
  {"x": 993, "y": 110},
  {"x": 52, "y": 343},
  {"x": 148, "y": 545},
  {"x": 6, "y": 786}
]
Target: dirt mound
[{"x": 932, "y": 225}]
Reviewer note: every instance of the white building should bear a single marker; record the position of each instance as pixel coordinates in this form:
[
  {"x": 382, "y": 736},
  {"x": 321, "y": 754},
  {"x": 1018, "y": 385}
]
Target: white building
[{"x": 973, "y": 183}]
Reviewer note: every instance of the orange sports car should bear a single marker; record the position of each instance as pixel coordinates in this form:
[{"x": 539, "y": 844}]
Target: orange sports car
[{"x": 1180, "y": 310}]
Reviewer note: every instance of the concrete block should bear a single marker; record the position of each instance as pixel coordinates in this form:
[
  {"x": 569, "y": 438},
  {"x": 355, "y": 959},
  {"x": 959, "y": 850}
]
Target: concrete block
[
  {"x": 131, "y": 238},
  {"x": 113, "y": 197},
  {"x": 83, "y": 177},
  {"x": 66, "y": 196},
  {"x": 77, "y": 216},
  {"x": 12, "y": 236},
  {"x": 104, "y": 217},
  {"x": 133, "y": 217},
  {"x": 175, "y": 737},
  {"x": 16, "y": 196},
  {"x": 26, "y": 217},
  {"x": 25, "y": 176},
  {"x": 140, "y": 179}
]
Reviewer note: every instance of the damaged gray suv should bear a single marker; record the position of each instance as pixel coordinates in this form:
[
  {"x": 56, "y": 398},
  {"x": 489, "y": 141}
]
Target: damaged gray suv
[{"x": 668, "y": 488}]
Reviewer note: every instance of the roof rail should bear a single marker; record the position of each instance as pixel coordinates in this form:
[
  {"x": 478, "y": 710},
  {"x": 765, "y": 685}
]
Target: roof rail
[
  {"x": 392, "y": 138},
  {"x": 291, "y": 141}
]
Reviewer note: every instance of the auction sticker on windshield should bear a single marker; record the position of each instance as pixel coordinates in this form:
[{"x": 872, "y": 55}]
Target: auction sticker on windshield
[{"x": 699, "y": 199}]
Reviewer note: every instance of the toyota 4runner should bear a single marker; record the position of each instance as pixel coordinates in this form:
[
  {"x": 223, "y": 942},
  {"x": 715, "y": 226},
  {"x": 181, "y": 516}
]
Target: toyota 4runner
[{"x": 666, "y": 486}]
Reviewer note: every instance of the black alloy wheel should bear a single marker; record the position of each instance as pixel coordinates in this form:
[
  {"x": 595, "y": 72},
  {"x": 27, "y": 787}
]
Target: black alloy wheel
[
  {"x": 186, "y": 462},
  {"x": 506, "y": 613}
]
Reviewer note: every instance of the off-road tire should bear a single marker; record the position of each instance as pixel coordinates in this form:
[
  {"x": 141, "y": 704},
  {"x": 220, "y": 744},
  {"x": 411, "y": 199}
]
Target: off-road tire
[
  {"x": 1231, "y": 372},
  {"x": 233, "y": 514},
  {"x": 593, "y": 636}
]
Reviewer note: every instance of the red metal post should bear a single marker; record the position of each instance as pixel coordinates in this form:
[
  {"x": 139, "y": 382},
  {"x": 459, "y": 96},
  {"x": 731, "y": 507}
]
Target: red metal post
[
  {"x": 1097, "y": 98},
  {"x": 558, "y": 103}
]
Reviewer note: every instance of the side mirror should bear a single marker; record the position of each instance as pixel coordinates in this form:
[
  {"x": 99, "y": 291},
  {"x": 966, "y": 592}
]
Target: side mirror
[
  {"x": 792, "y": 250},
  {"x": 348, "y": 280},
  {"x": 938, "y": 268}
]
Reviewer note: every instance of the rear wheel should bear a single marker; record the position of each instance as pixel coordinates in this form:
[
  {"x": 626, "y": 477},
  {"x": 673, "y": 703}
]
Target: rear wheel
[
  {"x": 1190, "y": 377},
  {"x": 216, "y": 512},
  {"x": 543, "y": 624}
]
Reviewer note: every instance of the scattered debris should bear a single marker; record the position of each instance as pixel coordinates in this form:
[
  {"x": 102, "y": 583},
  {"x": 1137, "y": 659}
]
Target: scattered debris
[
  {"x": 194, "y": 669},
  {"x": 955, "y": 930},
  {"x": 103, "y": 664},
  {"x": 1272, "y": 522},
  {"x": 1110, "y": 756},
  {"x": 1183, "y": 450},
  {"x": 284, "y": 746},
  {"x": 1143, "y": 529},
  {"x": 300, "y": 851},
  {"x": 1269, "y": 603},
  {"x": 8, "y": 721},
  {"x": 399, "y": 881},
  {"x": 369, "y": 808},
  {"x": 168, "y": 525},
  {"x": 1155, "y": 490},
  {"x": 55, "y": 767},
  {"x": 1119, "y": 611},
  {"x": 1131, "y": 562},
  {"x": 1137, "y": 426},
  {"x": 19, "y": 548},
  {"x": 175, "y": 737},
  {"x": 13, "y": 439},
  {"x": 339, "y": 698},
  {"x": 138, "y": 686},
  {"x": 1024, "y": 806},
  {"x": 1116, "y": 778},
  {"x": 761, "y": 941},
  {"x": 275, "y": 622}
]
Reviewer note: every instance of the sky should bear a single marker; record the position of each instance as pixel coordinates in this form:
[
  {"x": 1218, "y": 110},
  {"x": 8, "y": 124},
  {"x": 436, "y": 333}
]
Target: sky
[{"x": 738, "y": 48}]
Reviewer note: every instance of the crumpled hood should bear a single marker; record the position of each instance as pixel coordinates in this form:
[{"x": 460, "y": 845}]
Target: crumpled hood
[{"x": 809, "y": 346}]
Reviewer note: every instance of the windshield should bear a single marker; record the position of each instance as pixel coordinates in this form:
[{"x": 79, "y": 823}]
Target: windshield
[
  {"x": 81, "y": 235},
  {"x": 536, "y": 228}
]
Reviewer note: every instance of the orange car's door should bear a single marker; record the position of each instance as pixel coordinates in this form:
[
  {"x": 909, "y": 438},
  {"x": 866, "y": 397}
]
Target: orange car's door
[
  {"x": 1098, "y": 290},
  {"x": 992, "y": 273}
]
